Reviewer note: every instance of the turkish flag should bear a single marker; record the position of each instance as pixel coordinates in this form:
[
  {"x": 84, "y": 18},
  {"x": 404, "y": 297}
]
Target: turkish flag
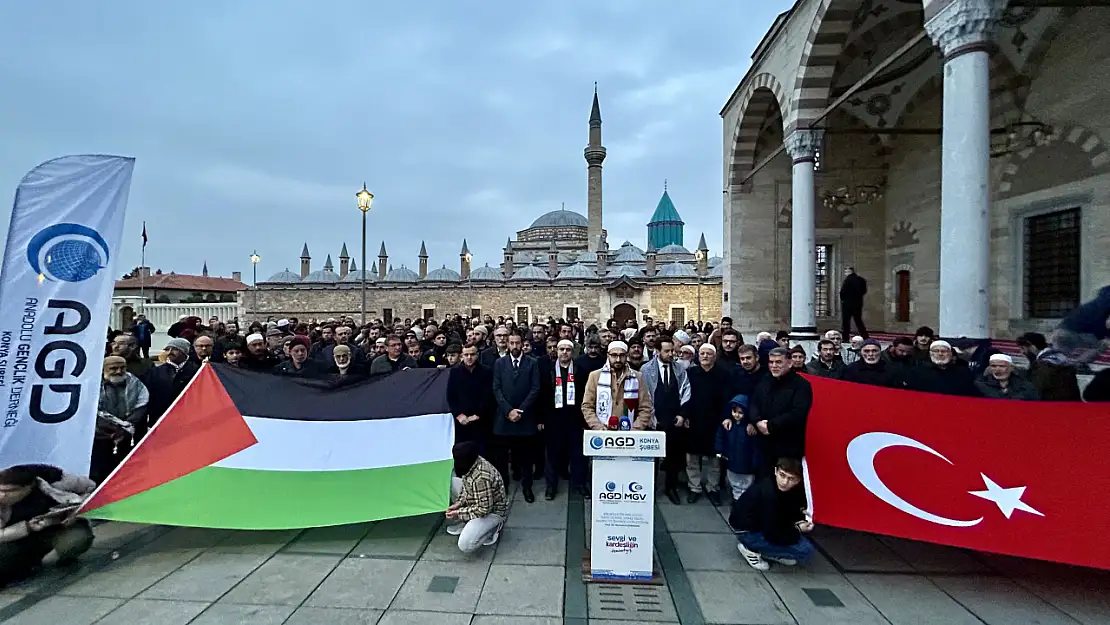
[{"x": 1022, "y": 478}]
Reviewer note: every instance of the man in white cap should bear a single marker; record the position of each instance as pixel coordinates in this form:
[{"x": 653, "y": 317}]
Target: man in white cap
[
  {"x": 613, "y": 392},
  {"x": 1001, "y": 383},
  {"x": 944, "y": 373}
]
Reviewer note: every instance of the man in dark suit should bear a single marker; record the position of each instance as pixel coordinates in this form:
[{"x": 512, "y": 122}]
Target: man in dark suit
[
  {"x": 516, "y": 388},
  {"x": 852, "y": 291},
  {"x": 470, "y": 396}
]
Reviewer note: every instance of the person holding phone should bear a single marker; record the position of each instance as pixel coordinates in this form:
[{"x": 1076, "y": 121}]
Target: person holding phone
[{"x": 37, "y": 505}]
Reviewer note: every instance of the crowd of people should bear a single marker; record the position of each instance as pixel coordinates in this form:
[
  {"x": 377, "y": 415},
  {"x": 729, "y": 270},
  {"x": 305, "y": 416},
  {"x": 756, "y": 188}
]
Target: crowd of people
[{"x": 522, "y": 395}]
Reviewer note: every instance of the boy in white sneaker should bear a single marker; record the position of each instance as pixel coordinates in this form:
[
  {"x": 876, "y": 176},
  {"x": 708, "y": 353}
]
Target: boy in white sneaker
[{"x": 769, "y": 519}]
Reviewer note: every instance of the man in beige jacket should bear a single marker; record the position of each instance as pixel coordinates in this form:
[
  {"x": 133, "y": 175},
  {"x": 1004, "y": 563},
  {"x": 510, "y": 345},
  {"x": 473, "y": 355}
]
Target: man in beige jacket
[{"x": 607, "y": 389}]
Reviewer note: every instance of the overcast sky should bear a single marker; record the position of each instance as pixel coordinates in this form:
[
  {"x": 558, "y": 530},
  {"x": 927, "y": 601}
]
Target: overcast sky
[{"x": 254, "y": 123}]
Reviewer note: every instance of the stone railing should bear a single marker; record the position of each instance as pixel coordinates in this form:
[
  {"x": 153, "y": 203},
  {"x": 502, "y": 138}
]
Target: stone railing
[{"x": 124, "y": 310}]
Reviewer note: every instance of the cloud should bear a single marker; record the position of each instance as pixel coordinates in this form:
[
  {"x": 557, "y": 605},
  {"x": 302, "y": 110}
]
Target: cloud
[{"x": 236, "y": 183}]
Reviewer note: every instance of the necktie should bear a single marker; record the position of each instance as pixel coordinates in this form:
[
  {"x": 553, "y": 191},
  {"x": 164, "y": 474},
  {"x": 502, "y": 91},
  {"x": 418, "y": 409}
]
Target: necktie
[{"x": 666, "y": 375}]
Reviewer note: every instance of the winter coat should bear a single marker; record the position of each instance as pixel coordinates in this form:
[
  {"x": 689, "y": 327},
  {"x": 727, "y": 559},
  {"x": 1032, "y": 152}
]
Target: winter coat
[
  {"x": 1054, "y": 377},
  {"x": 818, "y": 368},
  {"x": 708, "y": 407},
  {"x": 878, "y": 374},
  {"x": 1018, "y": 388},
  {"x": 852, "y": 291},
  {"x": 784, "y": 403},
  {"x": 1098, "y": 389},
  {"x": 765, "y": 509},
  {"x": 952, "y": 379},
  {"x": 736, "y": 446}
]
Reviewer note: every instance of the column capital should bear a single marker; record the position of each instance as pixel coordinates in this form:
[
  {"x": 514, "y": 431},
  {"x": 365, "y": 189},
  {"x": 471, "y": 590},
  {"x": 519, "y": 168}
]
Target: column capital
[
  {"x": 964, "y": 25},
  {"x": 803, "y": 145}
]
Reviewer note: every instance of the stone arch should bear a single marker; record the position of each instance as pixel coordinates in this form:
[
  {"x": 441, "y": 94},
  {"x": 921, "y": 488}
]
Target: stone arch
[
  {"x": 1008, "y": 89},
  {"x": 1076, "y": 150},
  {"x": 1037, "y": 55},
  {"x": 829, "y": 32},
  {"x": 865, "y": 43},
  {"x": 760, "y": 99}
]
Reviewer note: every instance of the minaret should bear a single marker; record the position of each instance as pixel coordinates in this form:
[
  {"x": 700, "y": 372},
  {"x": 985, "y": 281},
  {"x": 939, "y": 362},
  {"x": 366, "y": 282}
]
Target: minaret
[
  {"x": 507, "y": 269},
  {"x": 552, "y": 260},
  {"x": 373, "y": 271},
  {"x": 423, "y": 261},
  {"x": 651, "y": 257},
  {"x": 352, "y": 268},
  {"x": 306, "y": 262},
  {"x": 383, "y": 258},
  {"x": 595, "y": 155},
  {"x": 204, "y": 270},
  {"x": 344, "y": 262},
  {"x": 464, "y": 262},
  {"x": 327, "y": 264},
  {"x": 702, "y": 255}
]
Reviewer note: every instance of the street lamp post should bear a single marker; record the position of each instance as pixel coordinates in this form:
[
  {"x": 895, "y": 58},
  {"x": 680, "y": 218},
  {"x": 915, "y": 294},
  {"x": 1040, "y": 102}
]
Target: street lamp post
[
  {"x": 254, "y": 280},
  {"x": 365, "y": 200}
]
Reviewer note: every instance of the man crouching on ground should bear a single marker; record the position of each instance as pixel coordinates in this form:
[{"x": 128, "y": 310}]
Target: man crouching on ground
[
  {"x": 769, "y": 518},
  {"x": 479, "y": 503},
  {"x": 37, "y": 503}
]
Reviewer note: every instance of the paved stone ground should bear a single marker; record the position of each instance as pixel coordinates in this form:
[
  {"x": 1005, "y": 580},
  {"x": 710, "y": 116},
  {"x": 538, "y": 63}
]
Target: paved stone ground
[{"x": 409, "y": 572}]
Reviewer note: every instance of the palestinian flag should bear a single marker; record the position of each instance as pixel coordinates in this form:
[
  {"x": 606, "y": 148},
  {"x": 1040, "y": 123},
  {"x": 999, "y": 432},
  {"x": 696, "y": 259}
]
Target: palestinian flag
[{"x": 246, "y": 450}]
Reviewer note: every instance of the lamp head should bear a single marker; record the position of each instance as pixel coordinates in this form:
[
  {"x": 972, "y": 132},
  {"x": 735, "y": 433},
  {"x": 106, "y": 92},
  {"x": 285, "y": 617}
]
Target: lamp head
[
  {"x": 365, "y": 199},
  {"x": 255, "y": 258}
]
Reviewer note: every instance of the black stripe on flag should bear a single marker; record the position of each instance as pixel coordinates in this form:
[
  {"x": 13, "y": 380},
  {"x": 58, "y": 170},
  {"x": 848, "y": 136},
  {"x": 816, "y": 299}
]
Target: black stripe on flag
[{"x": 403, "y": 394}]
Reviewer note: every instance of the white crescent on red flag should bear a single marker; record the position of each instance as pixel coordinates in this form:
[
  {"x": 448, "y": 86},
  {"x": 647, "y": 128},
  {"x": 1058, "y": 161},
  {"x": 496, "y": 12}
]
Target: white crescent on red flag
[{"x": 1013, "y": 477}]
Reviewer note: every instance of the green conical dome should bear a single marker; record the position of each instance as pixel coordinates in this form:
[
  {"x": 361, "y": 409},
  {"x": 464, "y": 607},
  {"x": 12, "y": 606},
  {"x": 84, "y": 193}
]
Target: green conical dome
[{"x": 665, "y": 227}]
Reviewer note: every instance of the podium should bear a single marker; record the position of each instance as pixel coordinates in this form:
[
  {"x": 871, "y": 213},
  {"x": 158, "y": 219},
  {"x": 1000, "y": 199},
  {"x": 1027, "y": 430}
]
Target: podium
[{"x": 622, "y": 519}]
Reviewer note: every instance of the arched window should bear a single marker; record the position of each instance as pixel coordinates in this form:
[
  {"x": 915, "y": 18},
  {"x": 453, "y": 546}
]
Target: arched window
[{"x": 902, "y": 296}]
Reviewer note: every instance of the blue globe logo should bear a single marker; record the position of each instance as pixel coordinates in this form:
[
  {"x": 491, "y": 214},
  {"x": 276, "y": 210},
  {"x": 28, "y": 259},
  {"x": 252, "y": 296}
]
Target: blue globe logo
[
  {"x": 635, "y": 487},
  {"x": 610, "y": 486},
  {"x": 67, "y": 253},
  {"x": 596, "y": 442}
]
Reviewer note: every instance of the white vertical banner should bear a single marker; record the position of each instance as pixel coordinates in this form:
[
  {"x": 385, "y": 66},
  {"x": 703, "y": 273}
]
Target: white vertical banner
[
  {"x": 622, "y": 530},
  {"x": 55, "y": 305},
  {"x": 622, "y": 519}
]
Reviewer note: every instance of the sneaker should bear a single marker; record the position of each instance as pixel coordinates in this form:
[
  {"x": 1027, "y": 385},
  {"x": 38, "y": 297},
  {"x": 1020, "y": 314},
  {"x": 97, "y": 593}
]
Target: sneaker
[
  {"x": 455, "y": 529},
  {"x": 755, "y": 560},
  {"x": 493, "y": 538},
  {"x": 783, "y": 561}
]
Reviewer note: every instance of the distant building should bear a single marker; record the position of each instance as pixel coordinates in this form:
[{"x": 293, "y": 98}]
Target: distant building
[
  {"x": 559, "y": 266},
  {"x": 178, "y": 288}
]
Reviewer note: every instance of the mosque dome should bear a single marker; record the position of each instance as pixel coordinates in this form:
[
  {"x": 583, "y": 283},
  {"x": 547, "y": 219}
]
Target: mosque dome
[
  {"x": 322, "y": 276},
  {"x": 402, "y": 274},
  {"x": 587, "y": 257},
  {"x": 674, "y": 249},
  {"x": 628, "y": 244},
  {"x": 443, "y": 274},
  {"x": 625, "y": 271},
  {"x": 485, "y": 274},
  {"x": 282, "y": 277},
  {"x": 567, "y": 257},
  {"x": 718, "y": 271},
  {"x": 677, "y": 270},
  {"x": 356, "y": 276},
  {"x": 714, "y": 261},
  {"x": 577, "y": 272},
  {"x": 629, "y": 254},
  {"x": 529, "y": 272},
  {"x": 560, "y": 219}
]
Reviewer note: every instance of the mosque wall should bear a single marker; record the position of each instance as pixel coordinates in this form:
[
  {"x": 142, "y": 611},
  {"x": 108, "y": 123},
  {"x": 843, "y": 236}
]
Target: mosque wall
[{"x": 594, "y": 303}]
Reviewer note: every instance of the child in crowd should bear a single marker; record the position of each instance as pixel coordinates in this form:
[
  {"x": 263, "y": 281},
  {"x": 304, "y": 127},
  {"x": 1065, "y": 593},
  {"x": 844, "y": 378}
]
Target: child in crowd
[
  {"x": 37, "y": 503},
  {"x": 735, "y": 445},
  {"x": 769, "y": 519}
]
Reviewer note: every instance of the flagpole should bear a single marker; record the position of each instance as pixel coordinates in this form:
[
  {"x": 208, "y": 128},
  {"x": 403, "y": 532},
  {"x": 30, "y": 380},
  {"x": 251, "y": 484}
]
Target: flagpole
[{"x": 142, "y": 275}]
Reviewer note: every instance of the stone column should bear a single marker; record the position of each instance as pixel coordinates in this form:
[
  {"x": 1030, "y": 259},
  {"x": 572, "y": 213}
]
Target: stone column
[
  {"x": 962, "y": 30},
  {"x": 803, "y": 145}
]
